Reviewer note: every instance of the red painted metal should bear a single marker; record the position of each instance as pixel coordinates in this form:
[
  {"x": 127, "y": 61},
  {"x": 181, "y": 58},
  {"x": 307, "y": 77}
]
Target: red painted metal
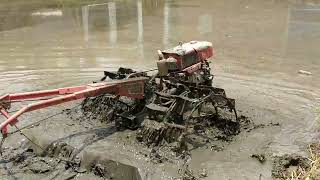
[
  {"x": 4, "y": 130},
  {"x": 191, "y": 69},
  {"x": 39, "y": 94},
  {"x": 133, "y": 88},
  {"x": 190, "y": 53}
]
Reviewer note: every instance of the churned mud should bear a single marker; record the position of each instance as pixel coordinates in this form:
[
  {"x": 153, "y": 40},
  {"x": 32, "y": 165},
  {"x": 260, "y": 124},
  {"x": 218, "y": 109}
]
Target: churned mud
[
  {"x": 87, "y": 144},
  {"x": 260, "y": 157},
  {"x": 283, "y": 166},
  {"x": 45, "y": 156},
  {"x": 266, "y": 58},
  {"x": 59, "y": 160},
  {"x": 293, "y": 166},
  {"x": 82, "y": 142},
  {"x": 92, "y": 146}
]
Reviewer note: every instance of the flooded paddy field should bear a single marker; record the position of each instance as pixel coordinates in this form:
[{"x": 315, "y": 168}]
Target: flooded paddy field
[{"x": 267, "y": 58}]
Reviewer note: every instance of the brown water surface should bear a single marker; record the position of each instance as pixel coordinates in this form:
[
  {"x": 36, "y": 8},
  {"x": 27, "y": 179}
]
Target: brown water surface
[{"x": 260, "y": 48}]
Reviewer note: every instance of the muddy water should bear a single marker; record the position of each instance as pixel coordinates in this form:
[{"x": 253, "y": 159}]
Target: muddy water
[{"x": 260, "y": 48}]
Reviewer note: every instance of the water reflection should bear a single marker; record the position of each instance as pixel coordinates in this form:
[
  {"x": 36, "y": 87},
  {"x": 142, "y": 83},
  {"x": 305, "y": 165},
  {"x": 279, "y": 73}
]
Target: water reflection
[
  {"x": 112, "y": 23},
  {"x": 94, "y": 13},
  {"x": 166, "y": 30},
  {"x": 250, "y": 37},
  {"x": 85, "y": 22},
  {"x": 304, "y": 34},
  {"x": 205, "y": 24},
  {"x": 47, "y": 46},
  {"x": 48, "y": 12},
  {"x": 140, "y": 28}
]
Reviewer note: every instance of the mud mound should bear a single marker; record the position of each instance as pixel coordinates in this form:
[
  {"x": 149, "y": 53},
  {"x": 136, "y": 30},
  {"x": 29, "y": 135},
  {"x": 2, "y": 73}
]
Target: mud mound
[
  {"x": 218, "y": 125},
  {"x": 59, "y": 156},
  {"x": 186, "y": 173},
  {"x": 25, "y": 160},
  {"x": 60, "y": 149},
  {"x": 99, "y": 108},
  {"x": 260, "y": 157},
  {"x": 103, "y": 165},
  {"x": 213, "y": 131},
  {"x": 283, "y": 164},
  {"x": 105, "y": 106},
  {"x": 200, "y": 131}
]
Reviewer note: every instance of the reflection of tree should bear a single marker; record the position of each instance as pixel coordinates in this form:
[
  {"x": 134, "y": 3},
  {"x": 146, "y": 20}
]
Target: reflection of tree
[
  {"x": 48, "y": 3},
  {"x": 309, "y": 2},
  {"x": 149, "y": 7},
  {"x": 12, "y": 17},
  {"x": 15, "y": 14}
]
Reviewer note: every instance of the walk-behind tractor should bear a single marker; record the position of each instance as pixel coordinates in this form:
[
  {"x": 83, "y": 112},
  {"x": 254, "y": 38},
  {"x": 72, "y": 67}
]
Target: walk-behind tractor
[{"x": 162, "y": 105}]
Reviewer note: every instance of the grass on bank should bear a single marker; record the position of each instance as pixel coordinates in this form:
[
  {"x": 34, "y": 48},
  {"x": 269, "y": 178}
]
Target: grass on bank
[{"x": 313, "y": 172}]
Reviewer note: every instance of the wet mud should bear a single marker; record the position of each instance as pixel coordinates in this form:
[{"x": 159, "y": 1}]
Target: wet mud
[
  {"x": 59, "y": 156},
  {"x": 54, "y": 154},
  {"x": 197, "y": 131},
  {"x": 100, "y": 108},
  {"x": 162, "y": 145},
  {"x": 283, "y": 166},
  {"x": 266, "y": 59},
  {"x": 260, "y": 157}
]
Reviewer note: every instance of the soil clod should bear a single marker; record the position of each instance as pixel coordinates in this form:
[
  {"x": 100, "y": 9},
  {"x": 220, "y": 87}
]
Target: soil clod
[
  {"x": 260, "y": 157},
  {"x": 40, "y": 167},
  {"x": 282, "y": 164}
]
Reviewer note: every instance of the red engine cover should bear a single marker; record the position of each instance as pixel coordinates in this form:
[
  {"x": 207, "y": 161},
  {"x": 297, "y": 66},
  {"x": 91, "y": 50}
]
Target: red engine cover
[{"x": 190, "y": 53}]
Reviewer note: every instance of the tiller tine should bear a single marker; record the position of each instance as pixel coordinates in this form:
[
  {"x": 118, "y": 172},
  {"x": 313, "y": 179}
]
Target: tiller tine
[
  {"x": 153, "y": 132},
  {"x": 220, "y": 101}
]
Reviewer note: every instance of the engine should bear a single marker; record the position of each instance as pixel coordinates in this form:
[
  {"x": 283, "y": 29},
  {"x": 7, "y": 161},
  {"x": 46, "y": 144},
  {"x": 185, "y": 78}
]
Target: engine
[{"x": 187, "y": 62}]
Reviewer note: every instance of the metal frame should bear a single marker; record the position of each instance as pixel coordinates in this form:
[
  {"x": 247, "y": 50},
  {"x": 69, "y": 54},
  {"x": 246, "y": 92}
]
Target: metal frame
[{"x": 133, "y": 88}]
